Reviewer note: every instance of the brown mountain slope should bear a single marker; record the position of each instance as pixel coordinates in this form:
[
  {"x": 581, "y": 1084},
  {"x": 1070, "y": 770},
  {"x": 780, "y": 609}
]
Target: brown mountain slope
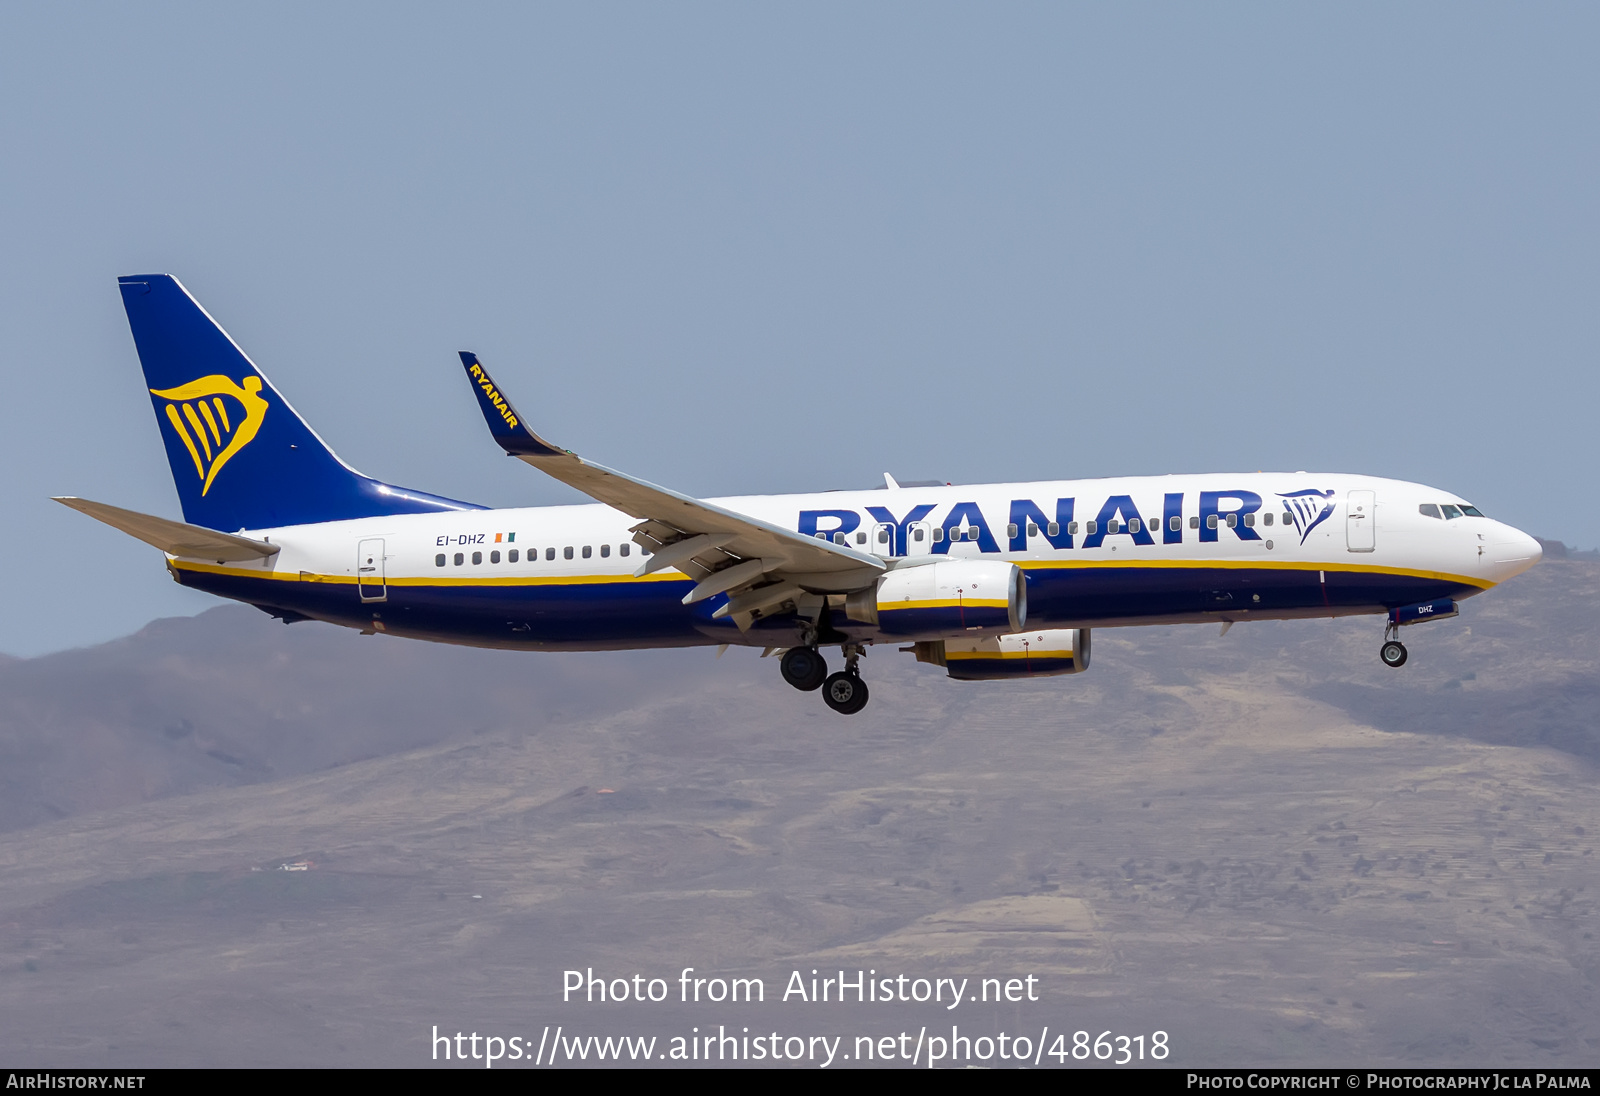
[{"x": 1200, "y": 836}]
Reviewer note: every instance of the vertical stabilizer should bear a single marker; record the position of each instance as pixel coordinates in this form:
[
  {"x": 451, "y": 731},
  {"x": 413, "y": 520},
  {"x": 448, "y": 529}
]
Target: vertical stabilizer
[{"x": 240, "y": 455}]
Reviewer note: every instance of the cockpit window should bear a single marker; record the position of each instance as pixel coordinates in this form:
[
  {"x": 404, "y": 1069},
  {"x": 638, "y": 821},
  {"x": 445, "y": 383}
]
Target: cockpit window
[
  {"x": 1472, "y": 511},
  {"x": 1451, "y": 511},
  {"x": 1429, "y": 510}
]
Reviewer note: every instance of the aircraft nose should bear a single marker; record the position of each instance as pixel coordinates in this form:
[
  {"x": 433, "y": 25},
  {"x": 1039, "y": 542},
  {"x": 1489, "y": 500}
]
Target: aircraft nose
[{"x": 1512, "y": 551}]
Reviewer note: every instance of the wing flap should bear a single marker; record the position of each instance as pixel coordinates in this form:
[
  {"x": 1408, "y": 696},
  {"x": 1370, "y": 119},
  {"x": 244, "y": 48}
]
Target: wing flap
[{"x": 174, "y": 537}]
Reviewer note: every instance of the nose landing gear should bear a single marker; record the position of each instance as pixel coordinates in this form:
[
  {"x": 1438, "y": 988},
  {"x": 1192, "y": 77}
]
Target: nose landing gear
[{"x": 1393, "y": 652}]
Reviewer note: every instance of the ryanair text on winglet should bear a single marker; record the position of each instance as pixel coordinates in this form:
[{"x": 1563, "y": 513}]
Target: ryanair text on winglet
[{"x": 492, "y": 394}]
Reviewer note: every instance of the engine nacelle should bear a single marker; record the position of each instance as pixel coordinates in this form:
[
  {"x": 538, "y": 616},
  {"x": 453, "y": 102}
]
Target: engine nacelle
[
  {"x": 954, "y": 597},
  {"x": 1024, "y": 654}
]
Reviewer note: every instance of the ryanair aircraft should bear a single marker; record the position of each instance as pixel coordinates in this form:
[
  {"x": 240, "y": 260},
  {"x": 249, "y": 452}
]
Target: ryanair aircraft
[{"x": 990, "y": 582}]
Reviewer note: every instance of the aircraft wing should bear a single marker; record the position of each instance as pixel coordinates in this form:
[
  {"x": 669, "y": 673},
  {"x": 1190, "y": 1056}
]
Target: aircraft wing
[
  {"x": 727, "y": 552},
  {"x": 174, "y": 537}
]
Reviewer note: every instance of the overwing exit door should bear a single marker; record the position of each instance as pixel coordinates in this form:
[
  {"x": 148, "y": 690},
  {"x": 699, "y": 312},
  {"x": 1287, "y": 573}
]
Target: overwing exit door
[
  {"x": 883, "y": 539},
  {"x": 919, "y": 539}
]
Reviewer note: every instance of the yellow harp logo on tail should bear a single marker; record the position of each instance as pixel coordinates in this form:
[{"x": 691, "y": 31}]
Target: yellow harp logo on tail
[{"x": 210, "y": 429}]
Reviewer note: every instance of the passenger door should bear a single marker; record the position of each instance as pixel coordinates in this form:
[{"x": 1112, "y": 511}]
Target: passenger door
[
  {"x": 1361, "y": 509},
  {"x": 369, "y": 571}
]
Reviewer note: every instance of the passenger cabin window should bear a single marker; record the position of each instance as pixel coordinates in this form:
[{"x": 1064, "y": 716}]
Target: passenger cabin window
[
  {"x": 1134, "y": 525},
  {"x": 477, "y": 558},
  {"x": 1011, "y": 530},
  {"x": 1211, "y": 521},
  {"x": 605, "y": 550},
  {"x": 1194, "y": 521},
  {"x": 511, "y": 557},
  {"x": 494, "y": 557},
  {"x": 549, "y": 553},
  {"x": 1113, "y": 526},
  {"x": 1451, "y": 511},
  {"x": 1054, "y": 529},
  {"x": 1033, "y": 530},
  {"x": 838, "y": 538},
  {"x": 1429, "y": 510},
  {"x": 1249, "y": 521},
  {"x": 622, "y": 549},
  {"x": 460, "y": 559},
  {"x": 1233, "y": 521},
  {"x": 1175, "y": 523},
  {"x": 861, "y": 537},
  {"x": 916, "y": 534},
  {"x": 1266, "y": 519},
  {"x": 566, "y": 553},
  {"x": 1091, "y": 527},
  {"x": 588, "y": 550},
  {"x": 438, "y": 560},
  {"x": 883, "y": 536},
  {"x": 938, "y": 534}
]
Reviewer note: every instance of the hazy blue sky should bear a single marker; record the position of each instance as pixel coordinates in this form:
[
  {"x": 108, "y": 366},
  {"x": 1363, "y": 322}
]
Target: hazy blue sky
[{"x": 752, "y": 248}]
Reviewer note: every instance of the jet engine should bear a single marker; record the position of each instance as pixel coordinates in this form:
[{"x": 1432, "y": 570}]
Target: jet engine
[
  {"x": 954, "y": 597},
  {"x": 1023, "y": 654}
]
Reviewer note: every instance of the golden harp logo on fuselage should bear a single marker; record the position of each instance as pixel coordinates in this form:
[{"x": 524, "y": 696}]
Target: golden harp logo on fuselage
[{"x": 212, "y": 431}]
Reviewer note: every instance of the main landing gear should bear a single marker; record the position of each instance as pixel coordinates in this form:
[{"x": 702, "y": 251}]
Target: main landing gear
[
  {"x": 1393, "y": 652},
  {"x": 806, "y": 670}
]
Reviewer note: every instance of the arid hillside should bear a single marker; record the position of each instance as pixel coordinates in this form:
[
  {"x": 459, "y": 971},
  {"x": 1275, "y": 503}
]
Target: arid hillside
[{"x": 1266, "y": 844}]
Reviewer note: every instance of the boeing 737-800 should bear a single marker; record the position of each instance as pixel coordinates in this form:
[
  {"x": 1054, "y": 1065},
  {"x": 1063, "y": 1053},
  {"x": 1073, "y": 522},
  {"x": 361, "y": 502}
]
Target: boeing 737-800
[{"x": 990, "y": 582}]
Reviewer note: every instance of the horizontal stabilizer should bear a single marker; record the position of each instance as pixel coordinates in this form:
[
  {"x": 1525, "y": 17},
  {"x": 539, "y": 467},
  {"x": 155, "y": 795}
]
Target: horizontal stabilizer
[{"x": 174, "y": 537}]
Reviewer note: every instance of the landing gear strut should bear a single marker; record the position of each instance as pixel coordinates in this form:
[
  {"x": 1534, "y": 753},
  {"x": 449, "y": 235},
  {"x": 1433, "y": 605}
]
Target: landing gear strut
[
  {"x": 804, "y": 668},
  {"x": 845, "y": 692},
  {"x": 1393, "y": 652}
]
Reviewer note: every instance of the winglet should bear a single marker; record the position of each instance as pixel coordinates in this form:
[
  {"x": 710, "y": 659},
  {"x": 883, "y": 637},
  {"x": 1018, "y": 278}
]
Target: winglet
[{"x": 504, "y": 422}]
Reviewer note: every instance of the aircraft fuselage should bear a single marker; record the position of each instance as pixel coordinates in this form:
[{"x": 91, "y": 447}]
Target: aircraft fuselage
[{"x": 1096, "y": 553}]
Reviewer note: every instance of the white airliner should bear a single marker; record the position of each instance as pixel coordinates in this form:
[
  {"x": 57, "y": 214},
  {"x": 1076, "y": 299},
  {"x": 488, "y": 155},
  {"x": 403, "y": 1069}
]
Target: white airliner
[{"x": 993, "y": 581}]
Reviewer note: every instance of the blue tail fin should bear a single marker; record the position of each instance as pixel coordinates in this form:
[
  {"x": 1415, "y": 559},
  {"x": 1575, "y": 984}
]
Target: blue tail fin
[{"x": 241, "y": 457}]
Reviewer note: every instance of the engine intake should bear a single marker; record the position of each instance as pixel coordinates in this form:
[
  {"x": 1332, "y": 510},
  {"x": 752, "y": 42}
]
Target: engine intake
[
  {"x": 1026, "y": 654},
  {"x": 952, "y": 598}
]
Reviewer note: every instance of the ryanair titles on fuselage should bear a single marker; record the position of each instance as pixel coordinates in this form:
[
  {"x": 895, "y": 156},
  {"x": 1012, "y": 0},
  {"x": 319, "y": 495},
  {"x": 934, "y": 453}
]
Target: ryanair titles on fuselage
[{"x": 1243, "y": 512}]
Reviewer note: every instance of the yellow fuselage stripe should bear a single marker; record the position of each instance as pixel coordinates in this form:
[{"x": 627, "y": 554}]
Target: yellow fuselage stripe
[
  {"x": 590, "y": 580},
  {"x": 349, "y": 580},
  {"x": 1258, "y": 565}
]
